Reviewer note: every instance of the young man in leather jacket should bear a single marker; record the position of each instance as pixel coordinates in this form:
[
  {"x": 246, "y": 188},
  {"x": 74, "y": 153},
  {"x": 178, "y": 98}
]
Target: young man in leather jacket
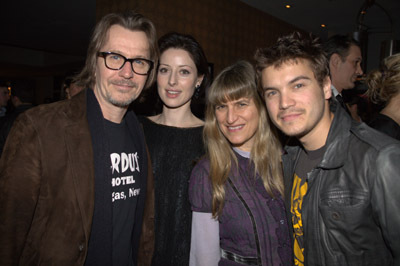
[{"x": 341, "y": 177}]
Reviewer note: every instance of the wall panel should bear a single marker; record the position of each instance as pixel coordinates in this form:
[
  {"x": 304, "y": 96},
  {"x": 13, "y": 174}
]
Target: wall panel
[{"x": 228, "y": 30}]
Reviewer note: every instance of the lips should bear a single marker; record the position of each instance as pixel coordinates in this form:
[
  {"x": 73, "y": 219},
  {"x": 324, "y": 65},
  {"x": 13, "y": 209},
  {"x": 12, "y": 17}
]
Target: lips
[
  {"x": 172, "y": 93},
  {"x": 290, "y": 116},
  {"x": 124, "y": 84},
  {"x": 235, "y": 128}
]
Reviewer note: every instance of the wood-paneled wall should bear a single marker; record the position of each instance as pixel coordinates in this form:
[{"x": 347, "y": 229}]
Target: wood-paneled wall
[{"x": 228, "y": 30}]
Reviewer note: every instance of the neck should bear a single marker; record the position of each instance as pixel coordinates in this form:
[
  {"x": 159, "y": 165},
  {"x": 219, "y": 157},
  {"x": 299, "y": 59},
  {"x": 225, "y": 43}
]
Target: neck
[
  {"x": 111, "y": 112},
  {"x": 338, "y": 88},
  {"x": 115, "y": 116},
  {"x": 177, "y": 117},
  {"x": 392, "y": 109}
]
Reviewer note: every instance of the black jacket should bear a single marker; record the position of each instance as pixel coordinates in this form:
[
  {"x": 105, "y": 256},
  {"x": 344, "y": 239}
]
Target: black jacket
[{"x": 351, "y": 212}]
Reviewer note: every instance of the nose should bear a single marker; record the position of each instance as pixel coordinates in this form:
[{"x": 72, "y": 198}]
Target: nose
[
  {"x": 172, "y": 78},
  {"x": 359, "y": 70},
  {"x": 231, "y": 115},
  {"x": 286, "y": 101},
  {"x": 126, "y": 71}
]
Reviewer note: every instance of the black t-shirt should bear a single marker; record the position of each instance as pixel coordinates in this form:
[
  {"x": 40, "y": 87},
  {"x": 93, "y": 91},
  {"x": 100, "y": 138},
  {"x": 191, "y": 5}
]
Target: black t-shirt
[
  {"x": 307, "y": 161},
  {"x": 125, "y": 169}
]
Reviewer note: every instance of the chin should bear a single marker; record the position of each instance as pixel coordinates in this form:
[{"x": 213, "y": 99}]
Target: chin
[
  {"x": 293, "y": 133},
  {"x": 122, "y": 102},
  {"x": 351, "y": 85}
]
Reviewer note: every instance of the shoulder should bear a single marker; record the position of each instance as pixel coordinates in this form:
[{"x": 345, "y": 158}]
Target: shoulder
[
  {"x": 73, "y": 110},
  {"x": 202, "y": 167},
  {"x": 197, "y": 122},
  {"x": 379, "y": 119},
  {"x": 200, "y": 189},
  {"x": 44, "y": 115},
  {"x": 372, "y": 138},
  {"x": 374, "y": 151},
  {"x": 386, "y": 125}
]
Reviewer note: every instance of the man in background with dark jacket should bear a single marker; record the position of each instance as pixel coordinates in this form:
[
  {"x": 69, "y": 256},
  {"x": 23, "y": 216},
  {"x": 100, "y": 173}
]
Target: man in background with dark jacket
[
  {"x": 21, "y": 99},
  {"x": 344, "y": 60},
  {"x": 342, "y": 188}
]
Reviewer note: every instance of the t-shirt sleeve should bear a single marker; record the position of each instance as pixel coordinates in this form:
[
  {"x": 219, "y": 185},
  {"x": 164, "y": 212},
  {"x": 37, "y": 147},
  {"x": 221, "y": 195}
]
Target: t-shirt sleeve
[{"x": 200, "y": 191}]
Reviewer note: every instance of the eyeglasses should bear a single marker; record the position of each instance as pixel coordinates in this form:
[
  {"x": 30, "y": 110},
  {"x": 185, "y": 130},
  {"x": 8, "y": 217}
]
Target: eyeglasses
[{"x": 116, "y": 61}]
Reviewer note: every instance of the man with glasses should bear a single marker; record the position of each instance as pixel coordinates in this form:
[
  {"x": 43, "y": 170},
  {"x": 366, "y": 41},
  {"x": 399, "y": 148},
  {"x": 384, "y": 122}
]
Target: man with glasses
[{"x": 74, "y": 174}]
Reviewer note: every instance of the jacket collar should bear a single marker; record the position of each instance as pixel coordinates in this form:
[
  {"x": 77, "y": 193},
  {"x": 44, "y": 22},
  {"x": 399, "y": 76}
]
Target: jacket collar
[
  {"x": 80, "y": 155},
  {"x": 337, "y": 143},
  {"x": 76, "y": 107}
]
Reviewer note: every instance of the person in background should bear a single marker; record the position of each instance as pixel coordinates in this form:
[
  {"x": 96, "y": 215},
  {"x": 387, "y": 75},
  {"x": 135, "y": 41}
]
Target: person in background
[
  {"x": 4, "y": 97},
  {"x": 22, "y": 100},
  {"x": 353, "y": 103},
  {"x": 236, "y": 190},
  {"x": 384, "y": 88},
  {"x": 341, "y": 177},
  {"x": 344, "y": 60},
  {"x": 174, "y": 138},
  {"x": 73, "y": 174},
  {"x": 71, "y": 87}
]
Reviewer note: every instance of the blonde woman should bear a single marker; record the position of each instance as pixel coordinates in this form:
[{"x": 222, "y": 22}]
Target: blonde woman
[
  {"x": 236, "y": 190},
  {"x": 384, "y": 88}
]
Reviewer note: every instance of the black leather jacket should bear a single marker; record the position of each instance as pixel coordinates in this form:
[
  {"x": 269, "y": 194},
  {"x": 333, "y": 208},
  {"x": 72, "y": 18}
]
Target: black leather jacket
[{"x": 351, "y": 212}]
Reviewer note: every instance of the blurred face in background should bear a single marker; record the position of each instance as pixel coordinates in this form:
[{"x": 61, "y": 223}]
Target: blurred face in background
[
  {"x": 4, "y": 96},
  {"x": 72, "y": 90},
  {"x": 345, "y": 73}
]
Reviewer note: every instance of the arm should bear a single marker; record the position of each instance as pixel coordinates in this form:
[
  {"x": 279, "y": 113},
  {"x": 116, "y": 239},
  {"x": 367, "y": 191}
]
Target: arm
[
  {"x": 20, "y": 177},
  {"x": 204, "y": 246},
  {"x": 386, "y": 197}
]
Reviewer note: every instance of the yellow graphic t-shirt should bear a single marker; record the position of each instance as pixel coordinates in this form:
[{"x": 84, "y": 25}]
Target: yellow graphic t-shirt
[{"x": 298, "y": 191}]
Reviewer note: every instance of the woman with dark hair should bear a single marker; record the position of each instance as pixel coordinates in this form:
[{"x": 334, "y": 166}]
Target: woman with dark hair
[
  {"x": 236, "y": 190},
  {"x": 174, "y": 139},
  {"x": 384, "y": 88}
]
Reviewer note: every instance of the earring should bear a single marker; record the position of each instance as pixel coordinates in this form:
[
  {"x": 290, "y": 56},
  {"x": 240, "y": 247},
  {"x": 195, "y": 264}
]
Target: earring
[{"x": 197, "y": 91}]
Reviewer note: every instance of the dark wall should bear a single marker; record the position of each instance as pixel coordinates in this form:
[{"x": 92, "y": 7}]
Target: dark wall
[{"x": 228, "y": 30}]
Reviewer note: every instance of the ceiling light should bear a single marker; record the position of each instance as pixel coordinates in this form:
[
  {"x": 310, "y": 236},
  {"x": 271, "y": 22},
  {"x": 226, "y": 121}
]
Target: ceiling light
[
  {"x": 323, "y": 26},
  {"x": 288, "y": 6}
]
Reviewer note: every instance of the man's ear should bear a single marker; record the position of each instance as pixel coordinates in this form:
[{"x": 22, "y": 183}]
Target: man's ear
[
  {"x": 327, "y": 88},
  {"x": 334, "y": 61}
]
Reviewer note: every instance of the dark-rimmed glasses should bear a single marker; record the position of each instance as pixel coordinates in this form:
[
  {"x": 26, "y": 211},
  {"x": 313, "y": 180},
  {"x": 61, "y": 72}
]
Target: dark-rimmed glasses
[{"x": 114, "y": 61}]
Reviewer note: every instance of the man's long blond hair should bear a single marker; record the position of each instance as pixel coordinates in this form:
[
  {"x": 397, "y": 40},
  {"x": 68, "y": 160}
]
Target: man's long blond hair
[{"x": 233, "y": 83}]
